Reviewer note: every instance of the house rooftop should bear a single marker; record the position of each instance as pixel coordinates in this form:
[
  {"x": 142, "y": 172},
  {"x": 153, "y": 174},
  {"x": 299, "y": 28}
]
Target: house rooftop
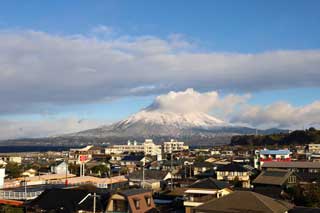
[
  {"x": 132, "y": 158},
  {"x": 244, "y": 201},
  {"x": 209, "y": 183},
  {"x": 275, "y": 152},
  {"x": 130, "y": 192},
  {"x": 292, "y": 164},
  {"x": 232, "y": 167},
  {"x": 273, "y": 177},
  {"x": 148, "y": 175}
]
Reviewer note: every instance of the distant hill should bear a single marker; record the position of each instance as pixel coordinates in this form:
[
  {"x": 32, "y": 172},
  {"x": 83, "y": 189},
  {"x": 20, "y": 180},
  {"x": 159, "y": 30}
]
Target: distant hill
[{"x": 298, "y": 137}]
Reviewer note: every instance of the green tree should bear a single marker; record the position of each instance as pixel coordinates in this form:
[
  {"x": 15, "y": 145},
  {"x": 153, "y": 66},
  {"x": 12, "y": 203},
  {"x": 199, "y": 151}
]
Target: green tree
[{"x": 13, "y": 170}]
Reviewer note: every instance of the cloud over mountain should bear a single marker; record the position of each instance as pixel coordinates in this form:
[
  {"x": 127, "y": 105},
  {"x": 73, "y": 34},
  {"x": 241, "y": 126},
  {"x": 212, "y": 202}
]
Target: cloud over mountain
[
  {"x": 40, "y": 69},
  {"x": 193, "y": 101}
]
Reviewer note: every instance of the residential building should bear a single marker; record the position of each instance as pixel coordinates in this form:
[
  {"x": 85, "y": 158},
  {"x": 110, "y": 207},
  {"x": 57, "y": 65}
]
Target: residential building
[
  {"x": 272, "y": 182},
  {"x": 204, "y": 190},
  {"x": 200, "y": 167},
  {"x": 11, "y": 158},
  {"x": 29, "y": 173},
  {"x": 133, "y": 201},
  {"x": 150, "y": 179},
  {"x": 297, "y": 166},
  {"x": 68, "y": 200},
  {"x": 148, "y": 148},
  {"x": 244, "y": 201},
  {"x": 174, "y": 146},
  {"x": 313, "y": 148},
  {"x": 265, "y": 155},
  {"x": 234, "y": 172},
  {"x": 59, "y": 168}
]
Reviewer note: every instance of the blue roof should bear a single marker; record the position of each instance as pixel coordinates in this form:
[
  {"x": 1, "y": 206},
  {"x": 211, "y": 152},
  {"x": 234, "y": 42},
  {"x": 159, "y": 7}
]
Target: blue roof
[{"x": 275, "y": 152}]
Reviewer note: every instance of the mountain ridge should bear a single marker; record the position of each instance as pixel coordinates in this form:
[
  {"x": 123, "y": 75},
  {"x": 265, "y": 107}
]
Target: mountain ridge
[{"x": 156, "y": 123}]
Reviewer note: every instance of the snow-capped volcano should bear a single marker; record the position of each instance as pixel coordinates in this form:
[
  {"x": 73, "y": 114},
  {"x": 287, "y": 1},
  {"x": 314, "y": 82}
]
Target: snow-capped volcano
[
  {"x": 179, "y": 120},
  {"x": 176, "y": 114},
  {"x": 149, "y": 122},
  {"x": 156, "y": 123}
]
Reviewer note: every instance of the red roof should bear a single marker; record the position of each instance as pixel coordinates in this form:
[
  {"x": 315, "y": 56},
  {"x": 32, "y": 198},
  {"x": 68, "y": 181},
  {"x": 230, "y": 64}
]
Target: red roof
[{"x": 11, "y": 202}]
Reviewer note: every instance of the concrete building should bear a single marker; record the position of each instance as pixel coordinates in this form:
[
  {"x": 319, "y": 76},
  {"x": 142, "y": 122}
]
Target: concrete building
[
  {"x": 174, "y": 146},
  {"x": 148, "y": 148}
]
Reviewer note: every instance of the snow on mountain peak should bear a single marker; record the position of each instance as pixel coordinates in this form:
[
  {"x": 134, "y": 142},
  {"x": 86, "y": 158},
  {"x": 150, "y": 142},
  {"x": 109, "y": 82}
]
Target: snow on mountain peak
[{"x": 180, "y": 120}]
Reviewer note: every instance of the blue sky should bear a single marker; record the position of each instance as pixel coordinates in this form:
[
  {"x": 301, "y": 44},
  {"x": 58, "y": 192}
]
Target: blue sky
[{"x": 243, "y": 28}]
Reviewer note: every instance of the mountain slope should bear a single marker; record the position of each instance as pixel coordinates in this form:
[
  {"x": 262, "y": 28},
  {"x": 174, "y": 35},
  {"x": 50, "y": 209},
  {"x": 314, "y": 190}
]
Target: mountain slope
[{"x": 150, "y": 123}]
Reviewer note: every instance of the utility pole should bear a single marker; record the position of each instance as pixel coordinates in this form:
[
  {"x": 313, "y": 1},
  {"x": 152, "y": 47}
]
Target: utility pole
[
  {"x": 25, "y": 188},
  {"x": 171, "y": 172},
  {"x": 143, "y": 164},
  {"x": 94, "y": 202}
]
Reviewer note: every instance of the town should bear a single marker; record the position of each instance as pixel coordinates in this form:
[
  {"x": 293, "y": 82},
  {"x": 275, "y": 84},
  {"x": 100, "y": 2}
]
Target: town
[{"x": 167, "y": 177}]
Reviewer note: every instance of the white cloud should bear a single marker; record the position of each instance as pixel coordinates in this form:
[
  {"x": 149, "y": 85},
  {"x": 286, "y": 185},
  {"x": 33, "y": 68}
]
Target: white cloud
[
  {"x": 280, "y": 114},
  {"x": 237, "y": 109},
  {"x": 45, "y": 127},
  {"x": 193, "y": 101},
  {"x": 38, "y": 68}
]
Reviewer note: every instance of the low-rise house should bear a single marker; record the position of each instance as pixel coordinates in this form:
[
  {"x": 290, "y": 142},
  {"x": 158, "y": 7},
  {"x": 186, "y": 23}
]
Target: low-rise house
[
  {"x": 204, "y": 190},
  {"x": 59, "y": 168},
  {"x": 150, "y": 179},
  {"x": 132, "y": 160},
  {"x": 244, "y": 201},
  {"x": 273, "y": 182},
  {"x": 234, "y": 173},
  {"x": 169, "y": 165},
  {"x": 133, "y": 201},
  {"x": 29, "y": 173},
  {"x": 297, "y": 166},
  {"x": 200, "y": 167},
  {"x": 68, "y": 201},
  {"x": 10, "y": 158}
]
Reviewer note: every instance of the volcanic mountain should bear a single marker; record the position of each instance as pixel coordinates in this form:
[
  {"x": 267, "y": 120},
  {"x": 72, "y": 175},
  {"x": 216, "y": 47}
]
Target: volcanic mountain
[{"x": 157, "y": 123}]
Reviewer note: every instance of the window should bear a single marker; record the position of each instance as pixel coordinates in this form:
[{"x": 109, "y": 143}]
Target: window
[
  {"x": 137, "y": 204},
  {"x": 292, "y": 179},
  {"x": 148, "y": 200}
]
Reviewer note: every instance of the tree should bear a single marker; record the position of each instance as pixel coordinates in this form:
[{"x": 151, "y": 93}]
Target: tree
[
  {"x": 100, "y": 169},
  {"x": 13, "y": 170}
]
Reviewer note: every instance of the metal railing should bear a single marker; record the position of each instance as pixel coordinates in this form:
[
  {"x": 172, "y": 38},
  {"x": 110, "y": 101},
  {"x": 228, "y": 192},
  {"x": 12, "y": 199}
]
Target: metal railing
[{"x": 11, "y": 195}]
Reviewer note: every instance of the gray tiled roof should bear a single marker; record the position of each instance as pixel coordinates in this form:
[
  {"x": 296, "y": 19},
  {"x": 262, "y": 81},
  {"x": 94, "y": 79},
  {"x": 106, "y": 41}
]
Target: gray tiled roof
[
  {"x": 273, "y": 177},
  {"x": 292, "y": 164},
  {"x": 244, "y": 201}
]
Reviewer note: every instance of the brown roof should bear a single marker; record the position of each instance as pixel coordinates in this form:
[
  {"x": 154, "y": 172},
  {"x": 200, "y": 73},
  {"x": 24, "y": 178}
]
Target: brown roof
[
  {"x": 292, "y": 164},
  {"x": 273, "y": 177},
  {"x": 244, "y": 201}
]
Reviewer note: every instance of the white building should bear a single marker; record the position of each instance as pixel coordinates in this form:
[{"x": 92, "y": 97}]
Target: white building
[
  {"x": 148, "y": 148},
  {"x": 314, "y": 148},
  {"x": 60, "y": 168},
  {"x": 2, "y": 175},
  {"x": 174, "y": 146}
]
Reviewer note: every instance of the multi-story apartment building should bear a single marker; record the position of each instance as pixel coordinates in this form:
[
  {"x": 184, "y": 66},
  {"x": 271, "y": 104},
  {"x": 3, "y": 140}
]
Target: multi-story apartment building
[
  {"x": 174, "y": 146},
  {"x": 148, "y": 148},
  {"x": 265, "y": 155}
]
